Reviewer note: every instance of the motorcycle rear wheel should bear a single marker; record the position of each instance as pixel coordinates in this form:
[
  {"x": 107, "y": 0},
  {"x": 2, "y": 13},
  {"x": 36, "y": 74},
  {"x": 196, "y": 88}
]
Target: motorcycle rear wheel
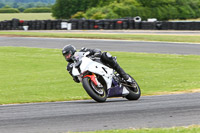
[
  {"x": 98, "y": 94},
  {"x": 132, "y": 94}
]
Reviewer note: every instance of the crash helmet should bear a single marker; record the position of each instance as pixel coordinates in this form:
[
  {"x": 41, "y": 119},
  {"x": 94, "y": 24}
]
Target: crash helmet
[{"x": 68, "y": 52}]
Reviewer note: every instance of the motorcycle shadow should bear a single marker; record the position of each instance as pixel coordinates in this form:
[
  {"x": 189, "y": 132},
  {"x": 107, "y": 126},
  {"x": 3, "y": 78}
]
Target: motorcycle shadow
[{"x": 109, "y": 100}]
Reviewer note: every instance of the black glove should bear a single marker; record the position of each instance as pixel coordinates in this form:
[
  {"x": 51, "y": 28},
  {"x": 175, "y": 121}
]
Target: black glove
[
  {"x": 88, "y": 53},
  {"x": 83, "y": 49},
  {"x": 76, "y": 79},
  {"x": 69, "y": 69}
]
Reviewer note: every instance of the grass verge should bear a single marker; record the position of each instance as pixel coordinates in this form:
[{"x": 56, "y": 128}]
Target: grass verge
[
  {"x": 25, "y": 16},
  {"x": 39, "y": 75},
  {"x": 190, "y": 129},
  {"x": 164, "y": 38}
]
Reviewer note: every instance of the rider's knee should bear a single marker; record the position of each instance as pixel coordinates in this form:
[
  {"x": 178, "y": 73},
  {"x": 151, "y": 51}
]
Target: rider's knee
[{"x": 107, "y": 58}]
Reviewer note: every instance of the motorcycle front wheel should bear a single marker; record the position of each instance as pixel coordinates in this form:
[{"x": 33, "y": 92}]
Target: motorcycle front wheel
[{"x": 97, "y": 93}]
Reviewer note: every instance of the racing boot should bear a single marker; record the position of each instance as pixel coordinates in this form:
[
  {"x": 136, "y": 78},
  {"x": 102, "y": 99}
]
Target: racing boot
[
  {"x": 126, "y": 77},
  {"x": 107, "y": 58}
]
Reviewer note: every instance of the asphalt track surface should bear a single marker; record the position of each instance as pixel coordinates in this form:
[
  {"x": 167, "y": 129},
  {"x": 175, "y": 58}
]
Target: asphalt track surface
[
  {"x": 87, "y": 115},
  {"x": 105, "y": 45}
]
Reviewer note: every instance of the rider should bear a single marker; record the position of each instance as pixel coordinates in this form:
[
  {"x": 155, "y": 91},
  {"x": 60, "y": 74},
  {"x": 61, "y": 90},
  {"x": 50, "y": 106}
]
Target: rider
[{"x": 69, "y": 50}]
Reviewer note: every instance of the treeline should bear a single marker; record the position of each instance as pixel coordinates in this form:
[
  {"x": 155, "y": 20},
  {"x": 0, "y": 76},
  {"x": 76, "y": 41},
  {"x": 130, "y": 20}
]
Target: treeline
[
  {"x": 113, "y": 9},
  {"x": 28, "y": 10},
  {"x": 22, "y": 5},
  {"x": 64, "y": 9},
  {"x": 28, "y": 1}
]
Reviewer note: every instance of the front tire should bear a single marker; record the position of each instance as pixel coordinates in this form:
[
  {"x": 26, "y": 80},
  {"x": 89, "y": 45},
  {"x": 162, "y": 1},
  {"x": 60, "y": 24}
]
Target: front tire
[
  {"x": 98, "y": 94},
  {"x": 132, "y": 94}
]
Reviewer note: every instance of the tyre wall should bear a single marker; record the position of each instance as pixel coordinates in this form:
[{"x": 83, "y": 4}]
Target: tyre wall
[{"x": 117, "y": 24}]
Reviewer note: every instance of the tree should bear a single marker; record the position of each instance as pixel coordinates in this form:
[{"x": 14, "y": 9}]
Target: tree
[
  {"x": 185, "y": 12},
  {"x": 101, "y": 3},
  {"x": 64, "y": 9},
  {"x": 156, "y": 3},
  {"x": 172, "y": 12},
  {"x": 160, "y": 9},
  {"x": 101, "y": 13},
  {"x": 78, "y": 15}
]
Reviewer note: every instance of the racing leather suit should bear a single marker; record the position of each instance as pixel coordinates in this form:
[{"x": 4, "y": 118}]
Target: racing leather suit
[{"x": 105, "y": 57}]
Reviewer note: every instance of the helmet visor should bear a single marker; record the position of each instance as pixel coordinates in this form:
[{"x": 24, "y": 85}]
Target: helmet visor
[{"x": 68, "y": 55}]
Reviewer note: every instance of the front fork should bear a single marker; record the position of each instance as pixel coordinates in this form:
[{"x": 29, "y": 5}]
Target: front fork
[{"x": 94, "y": 80}]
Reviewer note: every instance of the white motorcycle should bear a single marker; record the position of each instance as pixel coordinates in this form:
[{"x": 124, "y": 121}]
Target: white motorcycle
[{"x": 101, "y": 81}]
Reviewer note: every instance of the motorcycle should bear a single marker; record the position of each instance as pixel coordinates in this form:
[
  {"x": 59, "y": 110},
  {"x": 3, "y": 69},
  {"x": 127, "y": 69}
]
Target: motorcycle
[{"x": 100, "y": 81}]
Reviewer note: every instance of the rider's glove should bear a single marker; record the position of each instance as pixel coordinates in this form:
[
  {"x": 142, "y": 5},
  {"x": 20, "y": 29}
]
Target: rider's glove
[
  {"x": 76, "y": 79},
  {"x": 87, "y": 54},
  {"x": 83, "y": 49}
]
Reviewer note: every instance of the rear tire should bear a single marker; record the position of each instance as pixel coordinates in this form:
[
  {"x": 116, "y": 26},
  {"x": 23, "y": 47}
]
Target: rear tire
[
  {"x": 98, "y": 95},
  {"x": 132, "y": 94}
]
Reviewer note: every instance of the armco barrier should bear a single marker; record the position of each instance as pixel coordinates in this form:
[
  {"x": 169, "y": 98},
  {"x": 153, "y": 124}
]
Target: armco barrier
[{"x": 114, "y": 24}]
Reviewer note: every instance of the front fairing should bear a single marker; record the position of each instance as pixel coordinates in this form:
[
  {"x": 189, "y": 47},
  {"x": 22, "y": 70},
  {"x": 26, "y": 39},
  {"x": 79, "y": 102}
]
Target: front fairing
[{"x": 89, "y": 65}]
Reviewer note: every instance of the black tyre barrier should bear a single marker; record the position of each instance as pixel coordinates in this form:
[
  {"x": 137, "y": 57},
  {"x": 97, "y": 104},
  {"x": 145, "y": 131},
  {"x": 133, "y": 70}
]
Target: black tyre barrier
[
  {"x": 138, "y": 25},
  {"x": 99, "y": 24},
  {"x": 82, "y": 24},
  {"x": 148, "y": 25}
]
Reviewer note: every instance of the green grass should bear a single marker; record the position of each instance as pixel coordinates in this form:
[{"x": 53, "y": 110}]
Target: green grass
[
  {"x": 25, "y": 16},
  {"x": 168, "y": 38},
  {"x": 39, "y": 75},
  {"x": 190, "y": 129},
  {"x": 35, "y": 75}
]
